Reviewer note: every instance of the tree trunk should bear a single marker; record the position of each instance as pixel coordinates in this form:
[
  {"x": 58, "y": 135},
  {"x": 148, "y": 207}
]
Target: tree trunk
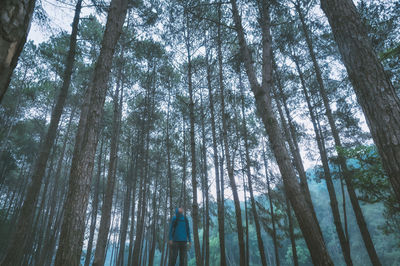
[
  {"x": 246, "y": 219},
  {"x": 124, "y": 225},
  {"x": 132, "y": 226},
  {"x": 53, "y": 199},
  {"x": 374, "y": 90},
  {"x": 249, "y": 181},
  {"x": 206, "y": 200},
  {"x": 16, "y": 17},
  {"x": 141, "y": 212},
  {"x": 344, "y": 242},
  {"x": 195, "y": 208},
  {"x": 95, "y": 207},
  {"x": 229, "y": 163},
  {"x": 26, "y": 216},
  {"x": 291, "y": 231},
  {"x": 100, "y": 253},
  {"x": 308, "y": 224},
  {"x": 72, "y": 230},
  {"x": 342, "y": 161},
  {"x": 169, "y": 169},
  {"x": 154, "y": 216},
  {"x": 220, "y": 213},
  {"x": 165, "y": 230},
  {"x": 290, "y": 134},
  {"x": 271, "y": 209}
]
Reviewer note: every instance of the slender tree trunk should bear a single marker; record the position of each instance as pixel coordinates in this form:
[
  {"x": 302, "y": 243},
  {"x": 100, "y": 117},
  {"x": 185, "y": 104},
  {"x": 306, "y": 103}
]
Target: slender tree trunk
[
  {"x": 95, "y": 207},
  {"x": 165, "y": 230},
  {"x": 353, "y": 197},
  {"x": 291, "y": 136},
  {"x": 247, "y": 222},
  {"x": 206, "y": 200},
  {"x": 374, "y": 90},
  {"x": 100, "y": 253},
  {"x": 140, "y": 227},
  {"x": 169, "y": 169},
  {"x": 291, "y": 231},
  {"x": 53, "y": 199},
  {"x": 195, "y": 208},
  {"x": 222, "y": 179},
  {"x": 221, "y": 230},
  {"x": 344, "y": 242},
  {"x": 184, "y": 162},
  {"x": 16, "y": 17},
  {"x": 72, "y": 230},
  {"x": 154, "y": 218},
  {"x": 271, "y": 209},
  {"x": 124, "y": 225},
  {"x": 308, "y": 224},
  {"x": 229, "y": 163},
  {"x": 132, "y": 227},
  {"x": 26, "y": 216},
  {"x": 249, "y": 181}
]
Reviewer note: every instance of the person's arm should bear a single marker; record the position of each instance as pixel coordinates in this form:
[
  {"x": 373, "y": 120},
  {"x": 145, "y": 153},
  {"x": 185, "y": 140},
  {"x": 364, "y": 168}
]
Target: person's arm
[{"x": 170, "y": 228}]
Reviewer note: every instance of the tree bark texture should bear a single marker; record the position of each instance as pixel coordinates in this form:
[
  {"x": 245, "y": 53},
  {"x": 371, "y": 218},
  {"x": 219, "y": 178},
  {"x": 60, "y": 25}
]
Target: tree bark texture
[
  {"x": 73, "y": 226},
  {"x": 374, "y": 90},
  {"x": 15, "y": 21}
]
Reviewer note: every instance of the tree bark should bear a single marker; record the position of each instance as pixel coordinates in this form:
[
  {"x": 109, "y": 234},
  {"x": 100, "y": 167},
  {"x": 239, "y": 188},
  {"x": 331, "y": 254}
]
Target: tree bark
[
  {"x": 249, "y": 181},
  {"x": 195, "y": 208},
  {"x": 271, "y": 209},
  {"x": 206, "y": 199},
  {"x": 308, "y": 225},
  {"x": 154, "y": 215},
  {"x": 344, "y": 242},
  {"x": 229, "y": 163},
  {"x": 26, "y": 216},
  {"x": 220, "y": 213},
  {"x": 132, "y": 226},
  {"x": 246, "y": 217},
  {"x": 124, "y": 225},
  {"x": 290, "y": 134},
  {"x": 374, "y": 90},
  {"x": 291, "y": 231},
  {"x": 144, "y": 183},
  {"x": 16, "y": 17},
  {"x": 95, "y": 207},
  {"x": 53, "y": 199},
  {"x": 100, "y": 253},
  {"x": 72, "y": 230}
]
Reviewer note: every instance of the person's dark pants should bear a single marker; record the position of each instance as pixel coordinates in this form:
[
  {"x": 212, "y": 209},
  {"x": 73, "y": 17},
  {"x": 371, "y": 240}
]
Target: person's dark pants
[{"x": 178, "y": 247}]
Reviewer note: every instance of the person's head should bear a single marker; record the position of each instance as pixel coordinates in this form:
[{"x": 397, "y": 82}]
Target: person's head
[{"x": 179, "y": 211}]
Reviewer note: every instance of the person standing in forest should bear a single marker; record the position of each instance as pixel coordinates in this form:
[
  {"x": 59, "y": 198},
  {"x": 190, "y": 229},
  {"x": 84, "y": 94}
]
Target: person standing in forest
[{"x": 179, "y": 237}]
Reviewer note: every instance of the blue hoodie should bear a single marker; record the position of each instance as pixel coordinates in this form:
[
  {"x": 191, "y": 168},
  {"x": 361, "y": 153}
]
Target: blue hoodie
[{"x": 182, "y": 232}]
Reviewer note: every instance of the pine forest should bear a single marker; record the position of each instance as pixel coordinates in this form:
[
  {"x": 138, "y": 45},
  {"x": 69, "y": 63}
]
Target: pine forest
[{"x": 199, "y": 132}]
